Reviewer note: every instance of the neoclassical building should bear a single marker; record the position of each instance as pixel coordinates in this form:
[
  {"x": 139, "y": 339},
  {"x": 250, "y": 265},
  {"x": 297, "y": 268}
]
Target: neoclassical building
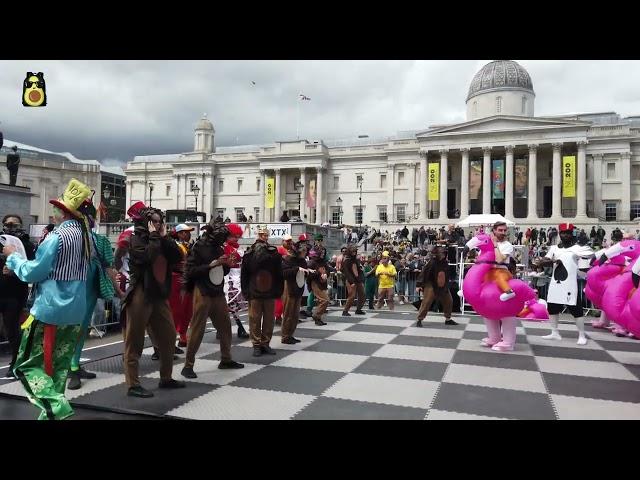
[{"x": 583, "y": 168}]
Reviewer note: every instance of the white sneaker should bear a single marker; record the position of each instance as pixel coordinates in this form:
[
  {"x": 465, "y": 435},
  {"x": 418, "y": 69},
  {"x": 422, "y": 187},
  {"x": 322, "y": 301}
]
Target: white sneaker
[
  {"x": 507, "y": 296},
  {"x": 401, "y": 302},
  {"x": 582, "y": 341},
  {"x": 552, "y": 336}
]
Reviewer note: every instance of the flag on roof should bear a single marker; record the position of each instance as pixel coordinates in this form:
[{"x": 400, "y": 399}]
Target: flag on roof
[{"x": 304, "y": 97}]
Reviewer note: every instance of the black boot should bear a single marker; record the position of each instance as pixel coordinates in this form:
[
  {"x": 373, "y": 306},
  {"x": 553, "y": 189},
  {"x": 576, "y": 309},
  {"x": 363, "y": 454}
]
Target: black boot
[
  {"x": 156, "y": 355},
  {"x": 86, "y": 375},
  {"x": 74, "y": 380},
  {"x": 242, "y": 333}
]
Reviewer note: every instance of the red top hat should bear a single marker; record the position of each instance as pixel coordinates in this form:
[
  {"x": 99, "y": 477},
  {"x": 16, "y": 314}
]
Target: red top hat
[
  {"x": 563, "y": 227},
  {"x": 303, "y": 238},
  {"x": 235, "y": 230},
  {"x": 134, "y": 210}
]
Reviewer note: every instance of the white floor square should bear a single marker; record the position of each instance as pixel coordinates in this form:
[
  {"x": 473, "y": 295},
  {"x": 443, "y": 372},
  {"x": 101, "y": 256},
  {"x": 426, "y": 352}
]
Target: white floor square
[
  {"x": 433, "y": 332},
  {"x": 363, "y": 337},
  {"x": 333, "y": 362},
  {"x": 610, "y": 337},
  {"x": 630, "y": 358},
  {"x": 387, "y": 390},
  {"x": 237, "y": 403},
  {"x": 103, "y": 380},
  {"x": 584, "y": 368},
  {"x": 440, "y": 319},
  {"x": 578, "y": 408},
  {"x": 563, "y": 327},
  {"x": 409, "y": 352},
  {"x": 475, "y": 346},
  {"x": 386, "y": 322},
  {"x": 444, "y": 415},
  {"x": 209, "y": 373},
  {"x": 276, "y": 343},
  {"x": 507, "y": 378}
]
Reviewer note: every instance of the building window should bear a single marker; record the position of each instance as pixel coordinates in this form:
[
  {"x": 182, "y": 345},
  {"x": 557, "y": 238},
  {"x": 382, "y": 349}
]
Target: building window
[
  {"x": 239, "y": 214},
  {"x": 416, "y": 209},
  {"x": 635, "y": 210},
  {"x": 524, "y": 105},
  {"x": 239, "y": 185},
  {"x": 635, "y": 172},
  {"x": 611, "y": 171},
  {"x": 400, "y": 178},
  {"x": 358, "y": 181},
  {"x": 220, "y": 186},
  {"x": 383, "y": 180},
  {"x": 192, "y": 183},
  {"x": 449, "y": 173},
  {"x": 168, "y": 191},
  {"x": 335, "y": 215},
  {"x": 256, "y": 213},
  {"x": 400, "y": 213},
  {"x": 336, "y": 182},
  {"x": 382, "y": 213},
  {"x": 610, "y": 212},
  {"x": 359, "y": 211},
  {"x": 257, "y": 184},
  {"x": 498, "y": 104}
]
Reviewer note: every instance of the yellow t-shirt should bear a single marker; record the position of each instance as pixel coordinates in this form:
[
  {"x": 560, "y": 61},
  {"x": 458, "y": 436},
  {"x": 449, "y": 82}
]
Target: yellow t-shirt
[{"x": 387, "y": 275}]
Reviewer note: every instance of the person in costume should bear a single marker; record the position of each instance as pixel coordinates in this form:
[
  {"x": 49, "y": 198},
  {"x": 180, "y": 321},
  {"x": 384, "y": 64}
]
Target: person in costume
[
  {"x": 261, "y": 282},
  {"x": 206, "y": 267},
  {"x": 180, "y": 301},
  {"x": 294, "y": 271},
  {"x": 319, "y": 247},
  {"x": 354, "y": 277},
  {"x": 152, "y": 258},
  {"x": 232, "y": 280},
  {"x": 283, "y": 250},
  {"x": 504, "y": 250},
  {"x": 433, "y": 281},
  {"x": 317, "y": 282},
  {"x": 563, "y": 290},
  {"x": 386, "y": 275},
  {"x": 59, "y": 274},
  {"x": 101, "y": 259}
]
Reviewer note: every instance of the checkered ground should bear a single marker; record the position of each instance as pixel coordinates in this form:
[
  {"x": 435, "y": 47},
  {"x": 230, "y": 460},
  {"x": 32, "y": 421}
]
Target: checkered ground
[{"x": 380, "y": 366}]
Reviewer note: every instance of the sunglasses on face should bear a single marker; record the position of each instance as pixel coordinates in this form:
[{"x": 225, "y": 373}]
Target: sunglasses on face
[{"x": 12, "y": 225}]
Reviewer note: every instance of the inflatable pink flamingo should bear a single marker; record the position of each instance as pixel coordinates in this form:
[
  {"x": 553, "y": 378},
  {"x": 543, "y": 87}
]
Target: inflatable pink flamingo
[
  {"x": 608, "y": 264},
  {"x": 618, "y": 289},
  {"x": 631, "y": 312},
  {"x": 484, "y": 297}
]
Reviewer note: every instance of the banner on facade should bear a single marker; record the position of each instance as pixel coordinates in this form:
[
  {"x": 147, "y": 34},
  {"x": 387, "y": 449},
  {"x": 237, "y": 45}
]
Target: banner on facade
[
  {"x": 475, "y": 179},
  {"x": 276, "y": 230},
  {"x": 311, "y": 194},
  {"x": 434, "y": 181},
  {"x": 521, "y": 179},
  {"x": 569, "y": 176},
  {"x": 270, "y": 192},
  {"x": 498, "y": 179}
]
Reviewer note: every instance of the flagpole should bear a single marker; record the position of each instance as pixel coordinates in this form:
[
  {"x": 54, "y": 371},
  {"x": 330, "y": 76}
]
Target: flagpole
[{"x": 298, "y": 118}]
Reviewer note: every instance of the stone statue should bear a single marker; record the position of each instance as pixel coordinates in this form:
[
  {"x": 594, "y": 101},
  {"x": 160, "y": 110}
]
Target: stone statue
[{"x": 13, "y": 163}]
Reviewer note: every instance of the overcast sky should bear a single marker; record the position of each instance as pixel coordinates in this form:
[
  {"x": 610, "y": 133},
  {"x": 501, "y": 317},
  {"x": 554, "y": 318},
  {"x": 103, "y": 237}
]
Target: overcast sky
[{"x": 113, "y": 110}]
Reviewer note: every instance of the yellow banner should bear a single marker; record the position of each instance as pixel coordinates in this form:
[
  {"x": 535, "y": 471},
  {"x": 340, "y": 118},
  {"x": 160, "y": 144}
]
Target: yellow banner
[
  {"x": 569, "y": 177},
  {"x": 270, "y": 192},
  {"x": 434, "y": 181}
]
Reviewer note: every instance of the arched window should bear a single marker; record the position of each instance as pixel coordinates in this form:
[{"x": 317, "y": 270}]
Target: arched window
[
  {"x": 498, "y": 104},
  {"x": 524, "y": 105}
]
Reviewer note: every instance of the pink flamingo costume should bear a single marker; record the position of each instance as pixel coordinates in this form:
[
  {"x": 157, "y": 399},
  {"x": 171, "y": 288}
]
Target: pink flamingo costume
[
  {"x": 631, "y": 312},
  {"x": 484, "y": 297}
]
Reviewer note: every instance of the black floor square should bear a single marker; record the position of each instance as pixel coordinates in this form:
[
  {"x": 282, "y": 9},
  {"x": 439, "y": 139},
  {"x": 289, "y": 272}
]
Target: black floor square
[
  {"x": 245, "y": 355},
  {"x": 337, "y": 409},
  {"x": 419, "y": 341},
  {"x": 285, "y": 379},
  {"x": 396, "y": 315},
  {"x": 376, "y": 328},
  {"x": 494, "y": 402},
  {"x": 349, "y": 348},
  {"x": 302, "y": 332},
  {"x": 490, "y": 359},
  {"x": 392, "y": 367},
  {"x": 442, "y": 326},
  {"x": 575, "y": 353},
  {"x": 635, "y": 369},
  {"x": 541, "y": 332},
  {"x": 591, "y": 387}
]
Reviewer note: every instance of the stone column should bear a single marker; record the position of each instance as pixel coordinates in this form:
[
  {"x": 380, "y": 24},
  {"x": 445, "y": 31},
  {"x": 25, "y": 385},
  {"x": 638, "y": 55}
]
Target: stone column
[
  {"x": 391, "y": 180},
  {"x": 581, "y": 206},
  {"x": 423, "y": 185},
  {"x": 277, "y": 211},
  {"x": 262, "y": 202},
  {"x": 129, "y": 194},
  {"x": 303, "y": 195},
  {"x": 556, "y": 207},
  {"x": 625, "y": 176},
  {"x": 174, "y": 188},
  {"x": 597, "y": 185},
  {"x": 486, "y": 181},
  {"x": 320, "y": 218},
  {"x": 464, "y": 184},
  {"x": 508, "y": 184},
  {"x": 532, "y": 210},
  {"x": 444, "y": 178},
  {"x": 412, "y": 190}
]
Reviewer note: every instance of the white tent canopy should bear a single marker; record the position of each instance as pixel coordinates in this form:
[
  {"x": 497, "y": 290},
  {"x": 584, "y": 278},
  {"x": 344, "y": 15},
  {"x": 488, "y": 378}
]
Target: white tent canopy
[{"x": 484, "y": 220}]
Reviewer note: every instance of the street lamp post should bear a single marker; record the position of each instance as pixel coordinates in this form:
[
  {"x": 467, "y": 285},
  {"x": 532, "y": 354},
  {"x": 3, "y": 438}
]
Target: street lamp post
[
  {"x": 196, "y": 190},
  {"x": 360, "y": 200},
  {"x": 150, "y": 192},
  {"x": 106, "y": 194},
  {"x": 339, "y": 202},
  {"x": 298, "y": 186}
]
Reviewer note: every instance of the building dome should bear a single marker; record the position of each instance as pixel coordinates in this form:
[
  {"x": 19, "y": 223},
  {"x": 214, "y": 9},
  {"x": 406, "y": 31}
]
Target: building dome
[
  {"x": 501, "y": 87},
  {"x": 204, "y": 124},
  {"x": 500, "y": 75}
]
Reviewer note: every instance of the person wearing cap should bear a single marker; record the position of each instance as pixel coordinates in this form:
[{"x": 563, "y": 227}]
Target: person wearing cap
[
  {"x": 563, "y": 289},
  {"x": 152, "y": 258},
  {"x": 59, "y": 274},
  {"x": 294, "y": 272},
  {"x": 232, "y": 280},
  {"x": 262, "y": 283},
  {"x": 317, "y": 283},
  {"x": 206, "y": 267},
  {"x": 354, "y": 280},
  {"x": 181, "y": 302},
  {"x": 386, "y": 274},
  {"x": 283, "y": 250},
  {"x": 433, "y": 281}
]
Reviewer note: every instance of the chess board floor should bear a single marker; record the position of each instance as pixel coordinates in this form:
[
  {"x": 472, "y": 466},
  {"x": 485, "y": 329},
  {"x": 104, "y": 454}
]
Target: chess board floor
[{"x": 380, "y": 366}]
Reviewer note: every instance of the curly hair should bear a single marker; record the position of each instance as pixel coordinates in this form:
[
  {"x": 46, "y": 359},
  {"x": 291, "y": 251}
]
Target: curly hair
[{"x": 145, "y": 215}]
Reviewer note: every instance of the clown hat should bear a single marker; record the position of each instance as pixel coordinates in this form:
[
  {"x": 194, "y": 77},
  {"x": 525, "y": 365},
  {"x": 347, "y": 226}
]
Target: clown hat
[
  {"x": 134, "y": 210},
  {"x": 235, "y": 230},
  {"x": 303, "y": 237},
  {"x": 72, "y": 198},
  {"x": 263, "y": 229}
]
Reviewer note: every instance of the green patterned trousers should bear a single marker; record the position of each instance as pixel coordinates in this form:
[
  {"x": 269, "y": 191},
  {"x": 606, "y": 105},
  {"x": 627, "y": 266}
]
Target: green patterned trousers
[{"x": 44, "y": 391}]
